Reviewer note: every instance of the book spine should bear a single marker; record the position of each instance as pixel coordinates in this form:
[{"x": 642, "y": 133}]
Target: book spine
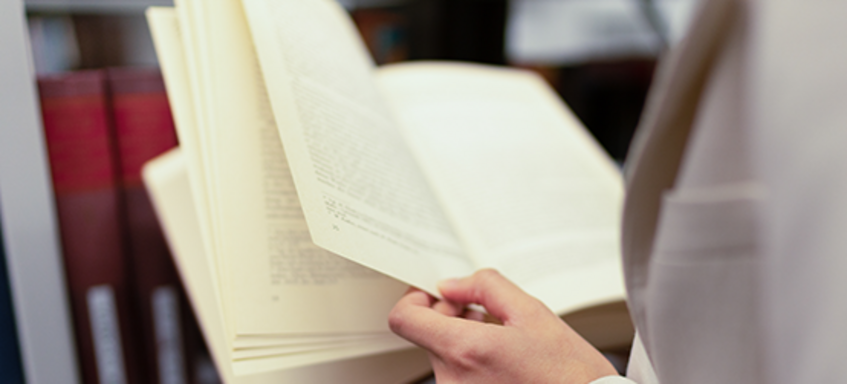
[
  {"x": 384, "y": 31},
  {"x": 144, "y": 129},
  {"x": 466, "y": 30},
  {"x": 83, "y": 169},
  {"x": 11, "y": 369}
]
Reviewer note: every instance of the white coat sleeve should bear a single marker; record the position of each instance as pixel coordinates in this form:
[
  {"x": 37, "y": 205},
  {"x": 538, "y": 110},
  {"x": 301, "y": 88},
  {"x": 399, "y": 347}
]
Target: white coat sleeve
[
  {"x": 638, "y": 371},
  {"x": 613, "y": 380}
]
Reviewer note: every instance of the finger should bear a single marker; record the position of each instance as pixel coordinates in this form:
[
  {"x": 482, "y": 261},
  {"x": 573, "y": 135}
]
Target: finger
[
  {"x": 415, "y": 296},
  {"x": 473, "y": 315},
  {"x": 487, "y": 287},
  {"x": 447, "y": 308},
  {"x": 486, "y": 318},
  {"x": 414, "y": 320},
  {"x": 413, "y": 289}
]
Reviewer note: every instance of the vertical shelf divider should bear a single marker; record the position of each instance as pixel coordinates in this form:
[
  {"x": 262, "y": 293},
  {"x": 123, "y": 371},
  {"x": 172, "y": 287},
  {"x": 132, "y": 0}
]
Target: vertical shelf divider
[{"x": 27, "y": 210}]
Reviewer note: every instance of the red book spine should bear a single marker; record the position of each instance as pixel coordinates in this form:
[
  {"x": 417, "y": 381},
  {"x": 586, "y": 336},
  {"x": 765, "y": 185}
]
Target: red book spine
[
  {"x": 144, "y": 129},
  {"x": 81, "y": 153}
]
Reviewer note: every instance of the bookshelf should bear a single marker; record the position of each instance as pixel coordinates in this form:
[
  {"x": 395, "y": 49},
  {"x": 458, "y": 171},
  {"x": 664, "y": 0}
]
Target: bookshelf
[
  {"x": 27, "y": 212},
  {"x": 26, "y": 208}
]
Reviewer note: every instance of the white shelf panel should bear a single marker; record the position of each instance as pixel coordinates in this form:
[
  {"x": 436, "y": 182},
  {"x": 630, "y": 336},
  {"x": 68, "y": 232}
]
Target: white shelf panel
[{"x": 30, "y": 233}]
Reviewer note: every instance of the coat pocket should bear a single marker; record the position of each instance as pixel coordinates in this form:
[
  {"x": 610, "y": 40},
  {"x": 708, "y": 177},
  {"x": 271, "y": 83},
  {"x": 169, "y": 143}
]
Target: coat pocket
[
  {"x": 701, "y": 308},
  {"x": 703, "y": 224}
]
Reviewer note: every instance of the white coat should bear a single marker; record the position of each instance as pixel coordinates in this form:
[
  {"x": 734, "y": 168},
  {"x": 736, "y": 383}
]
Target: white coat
[{"x": 735, "y": 222}]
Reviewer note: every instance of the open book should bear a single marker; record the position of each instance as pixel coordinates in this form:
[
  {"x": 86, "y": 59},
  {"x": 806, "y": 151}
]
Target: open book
[{"x": 295, "y": 149}]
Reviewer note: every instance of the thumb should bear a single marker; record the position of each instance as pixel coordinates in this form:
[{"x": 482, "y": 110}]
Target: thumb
[{"x": 500, "y": 297}]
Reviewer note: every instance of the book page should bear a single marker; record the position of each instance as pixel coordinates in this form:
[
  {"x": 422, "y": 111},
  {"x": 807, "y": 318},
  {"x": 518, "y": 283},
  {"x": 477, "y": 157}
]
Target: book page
[
  {"x": 527, "y": 188},
  {"x": 169, "y": 44},
  {"x": 297, "y": 344},
  {"x": 362, "y": 194},
  {"x": 167, "y": 179},
  {"x": 185, "y": 63},
  {"x": 276, "y": 340},
  {"x": 280, "y": 282}
]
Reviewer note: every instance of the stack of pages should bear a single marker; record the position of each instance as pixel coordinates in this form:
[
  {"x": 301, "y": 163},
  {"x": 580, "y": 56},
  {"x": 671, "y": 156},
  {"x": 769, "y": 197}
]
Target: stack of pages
[
  {"x": 265, "y": 306},
  {"x": 311, "y": 188}
]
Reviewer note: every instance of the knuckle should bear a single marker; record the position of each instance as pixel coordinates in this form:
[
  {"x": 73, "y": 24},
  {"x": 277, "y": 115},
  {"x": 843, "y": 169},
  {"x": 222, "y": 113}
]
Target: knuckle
[
  {"x": 485, "y": 279},
  {"x": 487, "y": 274},
  {"x": 538, "y": 310},
  {"x": 536, "y": 305}
]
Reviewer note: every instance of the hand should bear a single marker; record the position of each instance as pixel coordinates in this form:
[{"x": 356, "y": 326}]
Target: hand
[{"x": 532, "y": 345}]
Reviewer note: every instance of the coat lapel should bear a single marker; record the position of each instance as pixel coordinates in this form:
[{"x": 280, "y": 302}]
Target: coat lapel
[{"x": 658, "y": 146}]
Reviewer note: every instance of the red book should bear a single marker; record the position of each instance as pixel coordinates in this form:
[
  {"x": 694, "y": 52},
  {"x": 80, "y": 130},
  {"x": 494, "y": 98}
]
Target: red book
[
  {"x": 76, "y": 118},
  {"x": 144, "y": 128}
]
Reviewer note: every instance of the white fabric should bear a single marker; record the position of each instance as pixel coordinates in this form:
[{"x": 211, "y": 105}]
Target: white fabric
[
  {"x": 560, "y": 32},
  {"x": 736, "y": 213},
  {"x": 612, "y": 380},
  {"x": 640, "y": 369}
]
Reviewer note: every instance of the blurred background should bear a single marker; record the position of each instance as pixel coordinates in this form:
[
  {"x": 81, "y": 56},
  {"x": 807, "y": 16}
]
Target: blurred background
[{"x": 599, "y": 55}]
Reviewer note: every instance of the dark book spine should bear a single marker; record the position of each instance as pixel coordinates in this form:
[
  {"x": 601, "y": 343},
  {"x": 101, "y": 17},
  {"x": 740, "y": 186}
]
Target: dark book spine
[
  {"x": 385, "y": 33},
  {"x": 144, "y": 129},
  {"x": 83, "y": 167},
  {"x": 11, "y": 370},
  {"x": 467, "y": 30}
]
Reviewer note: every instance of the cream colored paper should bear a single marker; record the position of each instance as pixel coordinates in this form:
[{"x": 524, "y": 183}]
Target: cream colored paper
[
  {"x": 524, "y": 187},
  {"x": 271, "y": 264},
  {"x": 167, "y": 180},
  {"x": 189, "y": 76},
  {"x": 378, "y": 164},
  {"x": 180, "y": 207},
  {"x": 527, "y": 189},
  {"x": 362, "y": 193}
]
